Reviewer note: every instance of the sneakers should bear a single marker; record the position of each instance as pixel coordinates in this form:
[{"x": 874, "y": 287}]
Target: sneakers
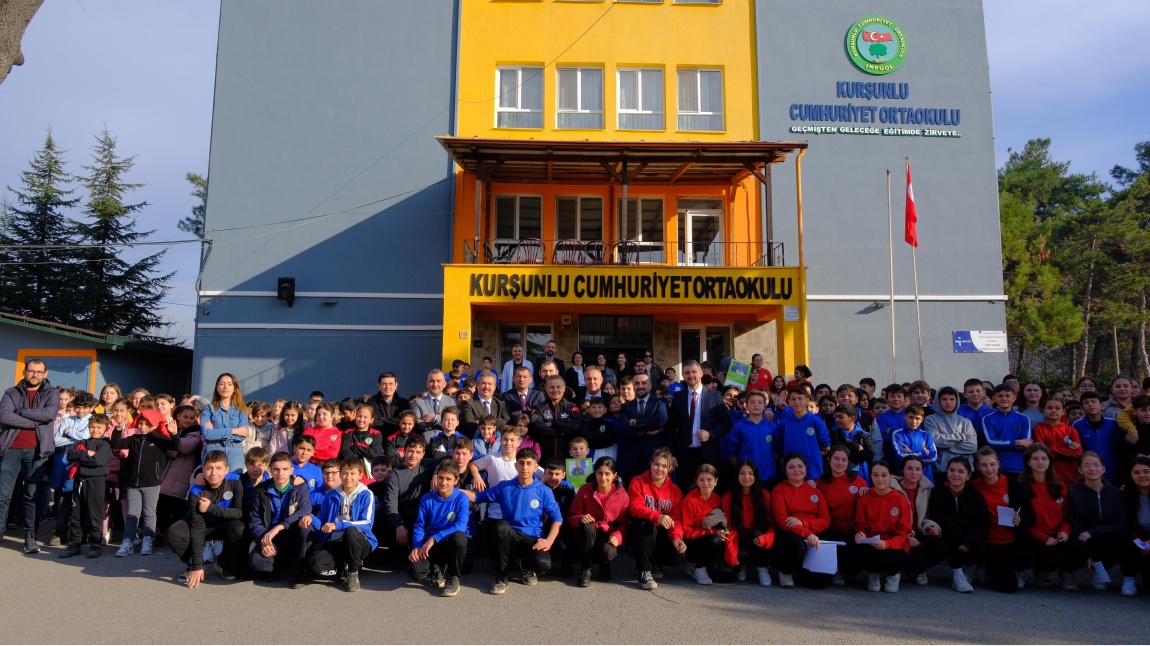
[
  {"x": 499, "y": 587},
  {"x": 55, "y": 541},
  {"x": 874, "y": 582},
  {"x": 838, "y": 579},
  {"x": 94, "y": 551},
  {"x": 960, "y": 583},
  {"x": 892, "y": 582},
  {"x": 450, "y": 587},
  {"x": 647, "y": 581},
  {"x": 183, "y": 578},
  {"x": 529, "y": 577},
  {"x": 223, "y": 572},
  {"x": 209, "y": 553},
  {"x": 605, "y": 571},
  {"x": 72, "y": 550},
  {"x": 1019, "y": 580},
  {"x": 146, "y": 546},
  {"x": 137, "y": 541},
  {"x": 328, "y": 574},
  {"x": 764, "y": 577},
  {"x": 126, "y": 549},
  {"x": 1129, "y": 587},
  {"x": 1068, "y": 583},
  {"x": 741, "y": 574},
  {"x": 585, "y": 578},
  {"x": 786, "y": 580},
  {"x": 437, "y": 578},
  {"x": 30, "y": 546},
  {"x": 352, "y": 583},
  {"x": 657, "y": 571},
  {"x": 701, "y": 576},
  {"x": 922, "y": 579}
]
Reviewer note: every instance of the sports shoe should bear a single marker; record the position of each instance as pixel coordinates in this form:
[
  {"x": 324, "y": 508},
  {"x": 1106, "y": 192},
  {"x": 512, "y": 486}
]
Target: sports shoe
[
  {"x": 137, "y": 541},
  {"x": 94, "y": 551},
  {"x": 30, "y": 546},
  {"x": 328, "y": 574},
  {"x": 209, "y": 553},
  {"x": 437, "y": 578},
  {"x": 450, "y": 587},
  {"x": 72, "y": 550},
  {"x": 126, "y": 549},
  {"x": 960, "y": 583},
  {"x": 1068, "y": 583},
  {"x": 701, "y": 576},
  {"x": 764, "y": 577},
  {"x": 605, "y": 571},
  {"x": 223, "y": 572},
  {"x": 741, "y": 574},
  {"x": 922, "y": 579},
  {"x": 1054, "y": 579},
  {"x": 786, "y": 580},
  {"x": 529, "y": 578},
  {"x": 146, "y": 546},
  {"x": 646, "y": 581},
  {"x": 55, "y": 541},
  {"x": 1019, "y": 580},
  {"x": 1129, "y": 587},
  {"x": 352, "y": 583},
  {"x": 838, "y": 579},
  {"x": 657, "y": 570},
  {"x": 874, "y": 582},
  {"x": 183, "y": 578},
  {"x": 584, "y": 578},
  {"x": 891, "y": 584},
  {"x": 499, "y": 587}
]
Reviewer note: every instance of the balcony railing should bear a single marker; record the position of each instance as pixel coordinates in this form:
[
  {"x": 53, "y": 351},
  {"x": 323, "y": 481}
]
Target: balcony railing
[{"x": 591, "y": 253}]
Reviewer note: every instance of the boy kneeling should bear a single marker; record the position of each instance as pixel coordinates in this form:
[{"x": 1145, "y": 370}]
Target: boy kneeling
[
  {"x": 275, "y": 508},
  {"x": 440, "y": 536},
  {"x": 214, "y": 513},
  {"x": 343, "y": 526}
]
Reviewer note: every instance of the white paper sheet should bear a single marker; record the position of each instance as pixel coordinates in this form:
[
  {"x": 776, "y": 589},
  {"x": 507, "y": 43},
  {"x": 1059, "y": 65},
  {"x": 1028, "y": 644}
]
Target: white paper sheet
[
  {"x": 825, "y": 559},
  {"x": 1142, "y": 545},
  {"x": 1100, "y": 573},
  {"x": 870, "y": 540},
  {"x": 1005, "y": 516}
]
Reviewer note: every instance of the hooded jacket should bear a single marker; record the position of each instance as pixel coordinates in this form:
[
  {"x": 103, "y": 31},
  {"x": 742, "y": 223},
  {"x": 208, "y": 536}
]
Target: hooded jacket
[
  {"x": 346, "y": 510},
  {"x": 954, "y": 436},
  {"x": 147, "y": 458}
]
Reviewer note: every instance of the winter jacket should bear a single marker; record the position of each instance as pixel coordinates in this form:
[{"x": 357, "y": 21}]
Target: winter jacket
[
  {"x": 689, "y": 515},
  {"x": 804, "y": 502},
  {"x": 649, "y": 501},
  {"x": 553, "y": 425},
  {"x": 1102, "y": 513},
  {"x": 147, "y": 458},
  {"x": 15, "y": 415},
  {"x": 966, "y": 511},
  {"x": 954, "y": 436},
  {"x": 346, "y": 510},
  {"x": 611, "y": 510},
  {"x": 921, "y": 500},
  {"x": 91, "y": 465},
  {"x": 267, "y": 507}
]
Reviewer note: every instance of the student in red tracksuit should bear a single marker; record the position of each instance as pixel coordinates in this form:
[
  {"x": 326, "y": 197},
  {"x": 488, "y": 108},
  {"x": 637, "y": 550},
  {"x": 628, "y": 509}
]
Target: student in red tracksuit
[
  {"x": 1060, "y": 439},
  {"x": 1007, "y": 552},
  {"x": 882, "y": 513},
  {"x": 653, "y": 497},
  {"x": 748, "y": 511},
  {"x": 800, "y": 513},
  {"x": 700, "y": 540},
  {"x": 327, "y": 436},
  {"x": 1051, "y": 529},
  {"x": 598, "y": 518},
  {"x": 842, "y": 488}
]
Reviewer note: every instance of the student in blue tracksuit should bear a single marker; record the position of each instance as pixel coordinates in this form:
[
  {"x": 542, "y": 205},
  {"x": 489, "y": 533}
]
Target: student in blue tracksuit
[
  {"x": 754, "y": 438},
  {"x": 1099, "y": 434},
  {"x": 275, "y": 508},
  {"x": 975, "y": 408},
  {"x": 913, "y": 440},
  {"x": 1007, "y": 431},
  {"x": 518, "y": 537},
  {"x": 303, "y": 447},
  {"x": 329, "y": 473},
  {"x": 439, "y": 539},
  {"x": 803, "y": 432},
  {"x": 859, "y": 442},
  {"x": 890, "y": 420},
  {"x": 343, "y": 526}
]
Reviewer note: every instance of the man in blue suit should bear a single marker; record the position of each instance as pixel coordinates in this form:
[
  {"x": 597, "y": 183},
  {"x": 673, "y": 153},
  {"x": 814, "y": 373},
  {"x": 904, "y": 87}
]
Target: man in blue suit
[
  {"x": 522, "y": 399},
  {"x": 698, "y": 420},
  {"x": 644, "y": 419}
]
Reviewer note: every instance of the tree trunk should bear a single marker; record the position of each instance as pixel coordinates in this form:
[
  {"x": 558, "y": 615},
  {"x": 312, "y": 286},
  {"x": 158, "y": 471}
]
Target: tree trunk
[
  {"x": 14, "y": 18},
  {"x": 1143, "y": 357},
  {"x": 1087, "y": 300},
  {"x": 1096, "y": 358}
]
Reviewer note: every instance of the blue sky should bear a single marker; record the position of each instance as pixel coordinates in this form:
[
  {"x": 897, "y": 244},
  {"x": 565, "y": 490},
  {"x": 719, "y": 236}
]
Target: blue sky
[{"x": 145, "y": 70}]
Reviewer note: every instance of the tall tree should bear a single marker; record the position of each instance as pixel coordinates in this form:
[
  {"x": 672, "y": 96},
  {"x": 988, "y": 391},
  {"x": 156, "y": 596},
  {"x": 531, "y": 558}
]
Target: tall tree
[
  {"x": 38, "y": 282},
  {"x": 194, "y": 223},
  {"x": 120, "y": 297},
  {"x": 1033, "y": 175},
  {"x": 1126, "y": 176}
]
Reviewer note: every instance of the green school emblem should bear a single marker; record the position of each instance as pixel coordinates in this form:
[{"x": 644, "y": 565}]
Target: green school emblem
[{"x": 876, "y": 45}]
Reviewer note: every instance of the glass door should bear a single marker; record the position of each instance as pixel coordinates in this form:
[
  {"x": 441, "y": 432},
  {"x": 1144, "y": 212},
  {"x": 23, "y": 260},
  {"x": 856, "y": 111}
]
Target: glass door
[
  {"x": 705, "y": 343},
  {"x": 700, "y": 225}
]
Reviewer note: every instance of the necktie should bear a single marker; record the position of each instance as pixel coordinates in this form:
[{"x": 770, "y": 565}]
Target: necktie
[
  {"x": 523, "y": 400},
  {"x": 487, "y": 407},
  {"x": 694, "y": 406},
  {"x": 435, "y": 403},
  {"x": 642, "y": 405}
]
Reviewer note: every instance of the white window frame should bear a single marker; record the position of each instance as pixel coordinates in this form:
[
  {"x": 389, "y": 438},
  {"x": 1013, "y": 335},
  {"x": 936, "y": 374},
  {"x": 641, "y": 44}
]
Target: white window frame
[
  {"x": 642, "y": 109},
  {"x": 579, "y": 216},
  {"x": 699, "y": 94},
  {"x": 518, "y": 197},
  {"x": 523, "y": 73},
  {"x": 579, "y": 78}
]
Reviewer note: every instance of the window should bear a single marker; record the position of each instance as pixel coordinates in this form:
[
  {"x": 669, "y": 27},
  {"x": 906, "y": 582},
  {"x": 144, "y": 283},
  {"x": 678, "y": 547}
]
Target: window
[
  {"x": 700, "y": 99},
  {"x": 580, "y": 101},
  {"x": 520, "y": 103},
  {"x": 532, "y": 337},
  {"x": 644, "y": 225},
  {"x": 579, "y": 218},
  {"x": 700, "y": 232},
  {"x": 518, "y": 217},
  {"x": 640, "y": 99}
]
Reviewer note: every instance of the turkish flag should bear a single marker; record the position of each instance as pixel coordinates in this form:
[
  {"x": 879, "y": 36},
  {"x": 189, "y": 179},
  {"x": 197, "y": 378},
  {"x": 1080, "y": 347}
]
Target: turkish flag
[{"x": 911, "y": 234}]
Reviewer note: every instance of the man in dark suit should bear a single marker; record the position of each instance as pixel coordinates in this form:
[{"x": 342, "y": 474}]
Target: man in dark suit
[
  {"x": 485, "y": 402},
  {"x": 644, "y": 419},
  {"x": 521, "y": 399},
  {"x": 697, "y": 421},
  {"x": 548, "y": 355}
]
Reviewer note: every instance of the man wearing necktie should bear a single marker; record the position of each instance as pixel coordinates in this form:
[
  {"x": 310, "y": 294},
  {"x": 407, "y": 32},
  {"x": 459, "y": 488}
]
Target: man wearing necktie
[
  {"x": 522, "y": 399},
  {"x": 644, "y": 419},
  {"x": 697, "y": 421},
  {"x": 430, "y": 405},
  {"x": 485, "y": 402}
]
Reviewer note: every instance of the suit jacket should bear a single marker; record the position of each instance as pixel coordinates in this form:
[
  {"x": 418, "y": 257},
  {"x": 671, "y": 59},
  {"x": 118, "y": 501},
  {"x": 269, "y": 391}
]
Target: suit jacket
[
  {"x": 535, "y": 399},
  {"x": 651, "y": 417},
  {"x": 425, "y": 405},
  {"x": 713, "y": 417},
  {"x": 472, "y": 411}
]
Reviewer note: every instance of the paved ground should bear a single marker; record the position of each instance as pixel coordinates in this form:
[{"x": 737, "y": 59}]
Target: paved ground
[{"x": 136, "y": 600}]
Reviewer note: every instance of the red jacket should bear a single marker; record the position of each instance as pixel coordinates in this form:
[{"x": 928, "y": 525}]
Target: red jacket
[
  {"x": 327, "y": 442},
  {"x": 610, "y": 510},
  {"x": 1049, "y": 513},
  {"x": 1065, "y": 458},
  {"x": 689, "y": 515},
  {"x": 648, "y": 501},
  {"x": 886, "y": 516},
  {"x": 842, "y": 495},
  {"x": 804, "y": 502},
  {"x": 747, "y": 528}
]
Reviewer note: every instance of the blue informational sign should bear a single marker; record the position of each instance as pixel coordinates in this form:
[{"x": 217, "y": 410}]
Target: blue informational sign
[{"x": 979, "y": 341}]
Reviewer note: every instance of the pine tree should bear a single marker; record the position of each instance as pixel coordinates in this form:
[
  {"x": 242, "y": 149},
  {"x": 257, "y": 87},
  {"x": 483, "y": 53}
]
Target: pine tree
[
  {"x": 194, "y": 223},
  {"x": 38, "y": 282},
  {"x": 120, "y": 297}
]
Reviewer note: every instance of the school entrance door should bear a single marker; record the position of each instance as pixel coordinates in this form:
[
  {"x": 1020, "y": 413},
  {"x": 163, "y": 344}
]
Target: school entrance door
[{"x": 611, "y": 335}]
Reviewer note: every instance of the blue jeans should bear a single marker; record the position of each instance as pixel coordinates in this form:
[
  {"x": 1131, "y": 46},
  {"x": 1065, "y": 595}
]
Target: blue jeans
[{"x": 34, "y": 468}]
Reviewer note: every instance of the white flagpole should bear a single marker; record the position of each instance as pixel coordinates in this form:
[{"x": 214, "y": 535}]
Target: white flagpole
[
  {"x": 917, "y": 308},
  {"x": 890, "y": 241}
]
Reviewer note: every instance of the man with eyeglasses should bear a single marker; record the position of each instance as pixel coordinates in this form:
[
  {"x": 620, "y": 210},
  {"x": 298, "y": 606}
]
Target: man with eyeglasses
[
  {"x": 651, "y": 368},
  {"x": 27, "y": 412}
]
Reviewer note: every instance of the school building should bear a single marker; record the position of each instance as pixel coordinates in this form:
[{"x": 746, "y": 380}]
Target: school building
[{"x": 398, "y": 184}]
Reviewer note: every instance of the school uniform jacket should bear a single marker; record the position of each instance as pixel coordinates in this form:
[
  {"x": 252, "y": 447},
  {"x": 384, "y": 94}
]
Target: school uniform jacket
[
  {"x": 268, "y": 507},
  {"x": 611, "y": 510},
  {"x": 356, "y": 509},
  {"x": 804, "y": 502},
  {"x": 887, "y": 423},
  {"x": 1050, "y": 515},
  {"x": 649, "y": 501},
  {"x": 1002, "y": 431},
  {"x": 327, "y": 443},
  {"x": 524, "y": 507},
  {"x": 1104, "y": 438},
  {"x": 806, "y": 435},
  {"x": 600, "y": 433},
  {"x": 842, "y": 495},
  {"x": 887, "y": 517},
  {"x": 1065, "y": 458},
  {"x": 689, "y": 515},
  {"x": 361, "y": 444},
  {"x": 747, "y": 527},
  {"x": 917, "y": 442},
  {"x": 975, "y": 417},
  {"x": 1007, "y": 492},
  {"x": 753, "y": 441},
  {"x": 441, "y": 517},
  {"x": 226, "y": 505}
]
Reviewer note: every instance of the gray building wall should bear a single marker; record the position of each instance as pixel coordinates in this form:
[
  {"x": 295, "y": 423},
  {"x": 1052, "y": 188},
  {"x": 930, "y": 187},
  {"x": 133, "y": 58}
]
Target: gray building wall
[
  {"x": 324, "y": 167},
  {"x": 801, "y": 56}
]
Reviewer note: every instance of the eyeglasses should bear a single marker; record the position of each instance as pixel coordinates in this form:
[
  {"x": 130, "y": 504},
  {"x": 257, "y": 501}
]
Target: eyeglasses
[{"x": 647, "y": 356}]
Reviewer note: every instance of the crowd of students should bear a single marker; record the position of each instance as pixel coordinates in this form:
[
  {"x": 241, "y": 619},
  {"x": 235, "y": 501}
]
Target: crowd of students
[{"x": 735, "y": 484}]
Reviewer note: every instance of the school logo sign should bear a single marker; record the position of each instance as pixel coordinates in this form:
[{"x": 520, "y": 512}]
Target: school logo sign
[{"x": 876, "y": 45}]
